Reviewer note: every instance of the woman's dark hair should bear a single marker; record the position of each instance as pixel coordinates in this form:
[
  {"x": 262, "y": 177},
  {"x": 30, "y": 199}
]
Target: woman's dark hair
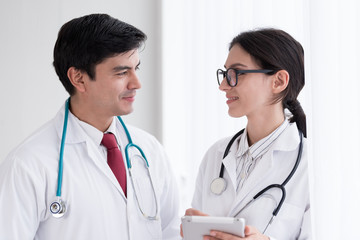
[
  {"x": 277, "y": 50},
  {"x": 86, "y": 41}
]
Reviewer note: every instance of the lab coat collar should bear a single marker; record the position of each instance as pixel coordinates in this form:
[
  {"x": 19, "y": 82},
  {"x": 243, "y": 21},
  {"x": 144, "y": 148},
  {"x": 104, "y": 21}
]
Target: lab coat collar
[
  {"x": 288, "y": 140},
  {"x": 75, "y": 135},
  {"x": 260, "y": 146}
]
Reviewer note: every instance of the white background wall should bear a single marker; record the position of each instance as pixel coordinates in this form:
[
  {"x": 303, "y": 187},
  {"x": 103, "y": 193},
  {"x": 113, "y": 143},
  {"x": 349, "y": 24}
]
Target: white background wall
[{"x": 30, "y": 92}]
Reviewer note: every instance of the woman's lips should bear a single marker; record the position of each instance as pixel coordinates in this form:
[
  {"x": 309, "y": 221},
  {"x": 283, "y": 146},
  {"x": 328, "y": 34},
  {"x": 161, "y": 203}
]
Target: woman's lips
[{"x": 231, "y": 99}]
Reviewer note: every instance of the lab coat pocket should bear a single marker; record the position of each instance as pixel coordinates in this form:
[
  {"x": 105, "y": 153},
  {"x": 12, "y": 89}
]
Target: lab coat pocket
[
  {"x": 289, "y": 220},
  {"x": 154, "y": 228}
]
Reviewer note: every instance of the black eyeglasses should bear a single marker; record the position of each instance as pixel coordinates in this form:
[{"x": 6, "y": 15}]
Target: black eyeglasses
[{"x": 232, "y": 74}]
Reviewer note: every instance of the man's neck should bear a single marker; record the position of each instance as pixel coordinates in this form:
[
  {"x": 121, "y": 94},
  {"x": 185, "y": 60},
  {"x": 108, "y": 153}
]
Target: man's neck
[{"x": 88, "y": 114}]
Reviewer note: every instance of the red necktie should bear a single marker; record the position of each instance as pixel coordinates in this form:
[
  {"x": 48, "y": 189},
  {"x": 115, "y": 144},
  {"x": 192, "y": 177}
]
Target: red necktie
[{"x": 115, "y": 159}]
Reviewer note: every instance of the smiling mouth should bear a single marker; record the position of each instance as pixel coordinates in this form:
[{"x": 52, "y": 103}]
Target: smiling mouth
[{"x": 233, "y": 98}]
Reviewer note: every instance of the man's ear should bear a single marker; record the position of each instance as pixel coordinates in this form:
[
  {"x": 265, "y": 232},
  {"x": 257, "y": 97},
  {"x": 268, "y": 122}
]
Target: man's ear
[
  {"x": 280, "y": 81},
  {"x": 76, "y": 77}
]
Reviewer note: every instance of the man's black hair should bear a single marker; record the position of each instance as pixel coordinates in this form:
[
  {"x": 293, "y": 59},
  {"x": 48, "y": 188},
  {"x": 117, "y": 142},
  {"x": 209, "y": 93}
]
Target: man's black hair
[{"x": 86, "y": 41}]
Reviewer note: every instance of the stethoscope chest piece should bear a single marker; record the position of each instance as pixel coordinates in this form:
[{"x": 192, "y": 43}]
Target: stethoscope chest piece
[
  {"x": 218, "y": 185},
  {"x": 58, "y": 208}
]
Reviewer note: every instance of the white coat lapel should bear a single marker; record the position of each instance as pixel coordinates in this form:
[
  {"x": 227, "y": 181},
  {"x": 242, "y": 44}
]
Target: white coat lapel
[
  {"x": 101, "y": 163},
  {"x": 230, "y": 167},
  {"x": 229, "y": 162}
]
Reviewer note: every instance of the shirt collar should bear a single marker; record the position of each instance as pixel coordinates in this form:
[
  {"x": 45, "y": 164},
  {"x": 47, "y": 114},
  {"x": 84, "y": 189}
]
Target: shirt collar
[
  {"x": 260, "y": 146},
  {"x": 112, "y": 128},
  {"x": 95, "y": 134}
]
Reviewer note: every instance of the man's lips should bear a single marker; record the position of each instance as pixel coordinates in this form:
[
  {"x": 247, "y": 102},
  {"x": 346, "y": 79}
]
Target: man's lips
[{"x": 129, "y": 98}]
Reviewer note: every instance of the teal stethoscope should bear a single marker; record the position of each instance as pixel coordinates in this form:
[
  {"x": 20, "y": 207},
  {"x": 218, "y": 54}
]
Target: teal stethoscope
[{"x": 58, "y": 207}]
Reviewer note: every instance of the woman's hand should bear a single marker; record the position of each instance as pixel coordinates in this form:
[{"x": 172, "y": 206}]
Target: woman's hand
[
  {"x": 192, "y": 212},
  {"x": 251, "y": 233}
]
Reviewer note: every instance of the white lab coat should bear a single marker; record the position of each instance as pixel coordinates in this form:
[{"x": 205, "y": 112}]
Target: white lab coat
[
  {"x": 293, "y": 219},
  {"x": 97, "y": 207}
]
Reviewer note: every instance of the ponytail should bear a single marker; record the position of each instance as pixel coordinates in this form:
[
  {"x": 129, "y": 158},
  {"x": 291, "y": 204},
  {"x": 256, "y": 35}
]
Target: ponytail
[{"x": 298, "y": 114}]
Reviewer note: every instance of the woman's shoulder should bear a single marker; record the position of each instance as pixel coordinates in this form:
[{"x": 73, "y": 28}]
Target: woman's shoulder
[
  {"x": 217, "y": 149},
  {"x": 220, "y": 144}
]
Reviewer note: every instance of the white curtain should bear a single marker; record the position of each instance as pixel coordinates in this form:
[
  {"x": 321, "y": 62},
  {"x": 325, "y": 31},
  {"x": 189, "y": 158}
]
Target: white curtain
[{"x": 196, "y": 35}]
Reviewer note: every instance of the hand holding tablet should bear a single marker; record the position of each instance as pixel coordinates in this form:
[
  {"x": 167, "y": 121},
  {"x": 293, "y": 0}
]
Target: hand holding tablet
[{"x": 195, "y": 227}]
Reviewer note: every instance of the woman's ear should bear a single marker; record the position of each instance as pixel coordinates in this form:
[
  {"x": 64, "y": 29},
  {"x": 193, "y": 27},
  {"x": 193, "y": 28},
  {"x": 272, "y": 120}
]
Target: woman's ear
[
  {"x": 76, "y": 78},
  {"x": 280, "y": 81}
]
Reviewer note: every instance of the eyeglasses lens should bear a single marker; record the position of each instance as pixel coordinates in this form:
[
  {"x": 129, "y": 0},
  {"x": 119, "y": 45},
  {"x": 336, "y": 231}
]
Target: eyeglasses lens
[{"x": 231, "y": 77}]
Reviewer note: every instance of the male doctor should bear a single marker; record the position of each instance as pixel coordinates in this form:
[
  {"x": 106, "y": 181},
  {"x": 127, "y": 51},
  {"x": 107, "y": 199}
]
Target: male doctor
[{"x": 96, "y": 58}]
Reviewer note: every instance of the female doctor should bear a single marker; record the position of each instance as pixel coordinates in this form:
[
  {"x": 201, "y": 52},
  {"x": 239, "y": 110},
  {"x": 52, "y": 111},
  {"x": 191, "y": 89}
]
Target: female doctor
[{"x": 260, "y": 174}]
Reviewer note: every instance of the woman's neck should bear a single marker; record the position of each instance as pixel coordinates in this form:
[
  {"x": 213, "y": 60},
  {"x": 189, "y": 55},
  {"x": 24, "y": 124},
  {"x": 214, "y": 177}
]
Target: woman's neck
[{"x": 261, "y": 125}]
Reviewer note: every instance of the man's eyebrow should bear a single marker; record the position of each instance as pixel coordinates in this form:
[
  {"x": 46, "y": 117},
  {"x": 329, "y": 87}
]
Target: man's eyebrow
[
  {"x": 120, "y": 68},
  {"x": 236, "y": 65}
]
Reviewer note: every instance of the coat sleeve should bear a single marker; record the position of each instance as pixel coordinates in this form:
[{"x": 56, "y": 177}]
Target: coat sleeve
[
  {"x": 20, "y": 200},
  {"x": 306, "y": 231},
  {"x": 197, "y": 197}
]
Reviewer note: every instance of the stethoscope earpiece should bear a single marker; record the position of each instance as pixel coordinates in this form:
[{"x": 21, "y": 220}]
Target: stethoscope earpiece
[{"x": 58, "y": 208}]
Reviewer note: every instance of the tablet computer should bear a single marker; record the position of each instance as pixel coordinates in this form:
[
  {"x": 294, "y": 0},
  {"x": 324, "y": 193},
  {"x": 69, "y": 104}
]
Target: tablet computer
[{"x": 195, "y": 227}]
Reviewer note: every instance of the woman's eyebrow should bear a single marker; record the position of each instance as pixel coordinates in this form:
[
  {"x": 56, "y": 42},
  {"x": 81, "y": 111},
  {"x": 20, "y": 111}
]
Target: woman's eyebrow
[{"x": 236, "y": 65}]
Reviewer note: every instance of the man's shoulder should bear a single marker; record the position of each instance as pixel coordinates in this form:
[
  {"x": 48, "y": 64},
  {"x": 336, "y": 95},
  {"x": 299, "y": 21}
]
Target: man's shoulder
[
  {"x": 136, "y": 130},
  {"x": 35, "y": 143},
  {"x": 140, "y": 134}
]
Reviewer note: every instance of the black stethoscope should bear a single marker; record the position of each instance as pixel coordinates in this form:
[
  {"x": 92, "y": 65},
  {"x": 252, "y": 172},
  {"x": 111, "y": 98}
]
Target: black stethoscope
[{"x": 218, "y": 185}]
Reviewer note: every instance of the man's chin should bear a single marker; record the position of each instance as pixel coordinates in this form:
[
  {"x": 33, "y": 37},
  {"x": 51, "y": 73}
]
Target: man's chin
[{"x": 125, "y": 112}]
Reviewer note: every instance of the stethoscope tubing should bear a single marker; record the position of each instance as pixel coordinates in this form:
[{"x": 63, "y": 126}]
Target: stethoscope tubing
[
  {"x": 297, "y": 160},
  {"x": 279, "y": 186},
  {"x": 62, "y": 145},
  {"x": 131, "y": 144}
]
